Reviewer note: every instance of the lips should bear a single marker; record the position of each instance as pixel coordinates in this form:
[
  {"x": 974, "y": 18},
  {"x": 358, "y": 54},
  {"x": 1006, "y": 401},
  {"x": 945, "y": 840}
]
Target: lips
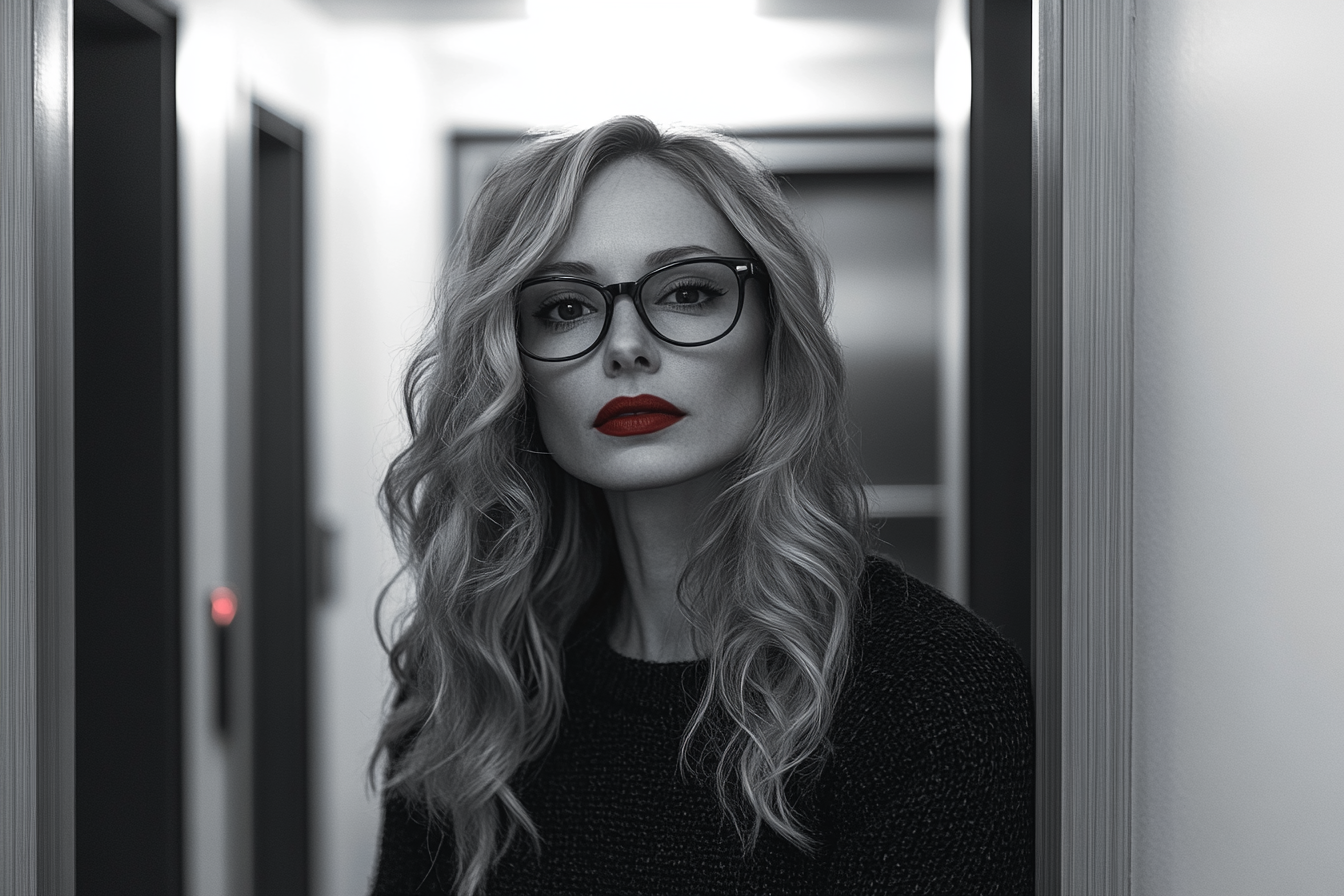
[{"x": 637, "y": 415}]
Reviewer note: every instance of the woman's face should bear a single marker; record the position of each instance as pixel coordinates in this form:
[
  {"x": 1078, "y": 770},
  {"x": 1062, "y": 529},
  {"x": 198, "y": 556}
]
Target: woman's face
[{"x": 635, "y": 216}]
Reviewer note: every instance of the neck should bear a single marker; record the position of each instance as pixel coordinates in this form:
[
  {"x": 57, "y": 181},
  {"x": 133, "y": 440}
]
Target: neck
[{"x": 653, "y": 535}]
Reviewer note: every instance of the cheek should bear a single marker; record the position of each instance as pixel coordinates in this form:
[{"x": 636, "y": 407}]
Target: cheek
[
  {"x": 753, "y": 399},
  {"x": 540, "y": 394},
  {"x": 748, "y": 375},
  {"x": 557, "y": 418},
  {"x": 545, "y": 406}
]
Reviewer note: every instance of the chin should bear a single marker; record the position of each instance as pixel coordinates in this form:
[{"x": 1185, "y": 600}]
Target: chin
[
  {"x": 637, "y": 482},
  {"x": 639, "y": 476}
]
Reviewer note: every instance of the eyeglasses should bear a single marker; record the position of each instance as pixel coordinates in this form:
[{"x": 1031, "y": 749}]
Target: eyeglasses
[{"x": 692, "y": 302}]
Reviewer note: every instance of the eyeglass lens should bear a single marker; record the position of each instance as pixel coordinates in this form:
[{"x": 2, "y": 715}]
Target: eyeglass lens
[{"x": 696, "y": 301}]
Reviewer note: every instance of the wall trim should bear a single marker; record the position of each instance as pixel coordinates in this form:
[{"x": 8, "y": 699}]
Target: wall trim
[
  {"x": 1083, "y": 355},
  {"x": 36, "y": 451},
  {"x": 1047, "y": 286}
]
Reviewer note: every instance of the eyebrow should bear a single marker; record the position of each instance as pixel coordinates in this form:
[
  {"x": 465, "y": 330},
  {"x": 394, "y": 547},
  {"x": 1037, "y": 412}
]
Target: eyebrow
[
  {"x": 653, "y": 260},
  {"x": 565, "y": 269},
  {"x": 664, "y": 256}
]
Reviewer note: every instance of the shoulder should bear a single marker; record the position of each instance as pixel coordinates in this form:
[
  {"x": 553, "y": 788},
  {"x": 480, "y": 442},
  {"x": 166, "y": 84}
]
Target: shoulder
[
  {"x": 928, "y": 679},
  {"x": 929, "y": 782},
  {"x": 914, "y": 645}
]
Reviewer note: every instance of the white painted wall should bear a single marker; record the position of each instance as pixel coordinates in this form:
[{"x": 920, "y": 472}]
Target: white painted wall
[
  {"x": 1239, "y": 454},
  {"x": 230, "y": 52},
  {"x": 374, "y": 228},
  {"x": 380, "y": 199}
]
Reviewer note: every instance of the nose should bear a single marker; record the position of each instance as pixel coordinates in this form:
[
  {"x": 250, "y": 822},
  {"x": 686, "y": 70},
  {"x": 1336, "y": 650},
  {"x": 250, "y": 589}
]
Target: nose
[{"x": 629, "y": 345}]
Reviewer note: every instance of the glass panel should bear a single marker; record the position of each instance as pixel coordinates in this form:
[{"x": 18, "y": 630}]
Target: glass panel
[
  {"x": 692, "y": 302},
  {"x": 878, "y": 229},
  {"x": 557, "y": 318}
]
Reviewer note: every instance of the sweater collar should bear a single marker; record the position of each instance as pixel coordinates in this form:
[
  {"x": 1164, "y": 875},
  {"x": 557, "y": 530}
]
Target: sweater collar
[{"x": 594, "y": 668}]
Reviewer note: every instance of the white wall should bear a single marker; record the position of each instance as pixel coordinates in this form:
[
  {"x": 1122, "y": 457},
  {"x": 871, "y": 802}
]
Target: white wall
[
  {"x": 229, "y": 53},
  {"x": 1239, "y": 454},
  {"x": 379, "y": 196},
  {"x": 375, "y": 189}
]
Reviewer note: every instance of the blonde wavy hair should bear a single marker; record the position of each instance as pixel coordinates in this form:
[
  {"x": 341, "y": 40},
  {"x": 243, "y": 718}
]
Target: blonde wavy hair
[{"x": 504, "y": 548}]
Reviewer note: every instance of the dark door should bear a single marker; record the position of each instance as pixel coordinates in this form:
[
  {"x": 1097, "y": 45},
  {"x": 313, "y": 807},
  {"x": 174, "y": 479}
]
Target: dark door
[{"x": 128, "y": 737}]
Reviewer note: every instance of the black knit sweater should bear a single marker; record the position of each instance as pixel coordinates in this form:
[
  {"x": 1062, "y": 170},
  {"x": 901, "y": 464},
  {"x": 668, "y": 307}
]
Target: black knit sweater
[{"x": 928, "y": 788}]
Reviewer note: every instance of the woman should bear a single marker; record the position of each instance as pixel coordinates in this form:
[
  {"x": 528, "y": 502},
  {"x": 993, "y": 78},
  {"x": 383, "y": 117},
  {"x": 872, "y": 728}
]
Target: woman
[{"x": 648, "y": 653}]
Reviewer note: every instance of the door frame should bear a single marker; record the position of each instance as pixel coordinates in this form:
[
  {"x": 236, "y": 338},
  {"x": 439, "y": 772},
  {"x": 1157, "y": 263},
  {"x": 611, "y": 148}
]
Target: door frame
[
  {"x": 1083, "y": 422},
  {"x": 280, "y": 592},
  {"x": 1082, "y": 259},
  {"x": 37, "y": 550}
]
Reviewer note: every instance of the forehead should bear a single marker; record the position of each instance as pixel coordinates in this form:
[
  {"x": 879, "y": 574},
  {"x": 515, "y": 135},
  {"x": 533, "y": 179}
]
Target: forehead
[{"x": 635, "y": 207}]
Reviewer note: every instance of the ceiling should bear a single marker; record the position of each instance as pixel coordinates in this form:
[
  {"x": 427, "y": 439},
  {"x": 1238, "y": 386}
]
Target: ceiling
[{"x": 913, "y": 11}]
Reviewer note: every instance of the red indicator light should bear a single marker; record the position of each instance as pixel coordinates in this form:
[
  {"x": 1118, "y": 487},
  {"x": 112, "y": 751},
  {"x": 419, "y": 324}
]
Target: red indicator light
[{"x": 223, "y": 605}]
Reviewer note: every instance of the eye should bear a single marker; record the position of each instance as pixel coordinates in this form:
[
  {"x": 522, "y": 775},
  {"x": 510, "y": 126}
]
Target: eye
[
  {"x": 568, "y": 310},
  {"x": 690, "y": 292},
  {"x": 564, "y": 309}
]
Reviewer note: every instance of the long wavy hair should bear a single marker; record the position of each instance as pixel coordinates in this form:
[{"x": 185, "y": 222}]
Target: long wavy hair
[{"x": 504, "y": 548}]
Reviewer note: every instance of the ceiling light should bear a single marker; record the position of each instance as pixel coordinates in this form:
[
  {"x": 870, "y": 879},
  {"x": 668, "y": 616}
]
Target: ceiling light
[{"x": 608, "y": 11}]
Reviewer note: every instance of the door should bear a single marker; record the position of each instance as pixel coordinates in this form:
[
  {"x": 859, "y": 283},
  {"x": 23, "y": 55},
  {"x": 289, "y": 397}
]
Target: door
[{"x": 128, "y": 733}]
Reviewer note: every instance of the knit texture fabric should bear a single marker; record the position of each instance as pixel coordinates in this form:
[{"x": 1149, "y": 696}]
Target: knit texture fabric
[{"x": 927, "y": 789}]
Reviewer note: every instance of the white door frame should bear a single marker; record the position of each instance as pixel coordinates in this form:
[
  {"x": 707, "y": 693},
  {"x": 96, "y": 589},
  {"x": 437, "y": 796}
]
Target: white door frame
[
  {"x": 37, "y": 631},
  {"x": 1083, "y": 355}
]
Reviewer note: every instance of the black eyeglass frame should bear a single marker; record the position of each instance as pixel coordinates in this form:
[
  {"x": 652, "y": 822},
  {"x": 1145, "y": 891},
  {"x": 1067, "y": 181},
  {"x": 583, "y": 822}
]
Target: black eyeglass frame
[{"x": 745, "y": 269}]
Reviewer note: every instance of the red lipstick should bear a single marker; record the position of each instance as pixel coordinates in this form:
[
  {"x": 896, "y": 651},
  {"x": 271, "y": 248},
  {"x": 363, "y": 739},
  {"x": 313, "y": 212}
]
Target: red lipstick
[{"x": 636, "y": 416}]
